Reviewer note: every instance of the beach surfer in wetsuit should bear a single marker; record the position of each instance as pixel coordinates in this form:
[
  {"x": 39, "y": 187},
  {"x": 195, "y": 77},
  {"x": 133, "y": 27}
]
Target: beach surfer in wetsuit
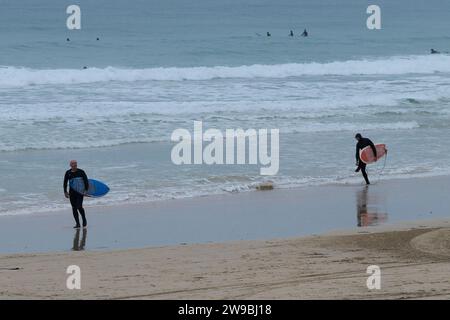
[
  {"x": 362, "y": 143},
  {"x": 76, "y": 199}
]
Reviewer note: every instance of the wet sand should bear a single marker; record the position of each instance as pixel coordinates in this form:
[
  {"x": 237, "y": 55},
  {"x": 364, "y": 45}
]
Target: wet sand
[
  {"x": 259, "y": 215},
  {"x": 414, "y": 264}
]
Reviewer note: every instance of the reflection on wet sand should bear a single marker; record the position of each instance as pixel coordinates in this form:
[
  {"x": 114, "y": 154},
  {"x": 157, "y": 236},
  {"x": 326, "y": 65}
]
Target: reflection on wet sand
[
  {"x": 370, "y": 208},
  {"x": 77, "y": 244}
]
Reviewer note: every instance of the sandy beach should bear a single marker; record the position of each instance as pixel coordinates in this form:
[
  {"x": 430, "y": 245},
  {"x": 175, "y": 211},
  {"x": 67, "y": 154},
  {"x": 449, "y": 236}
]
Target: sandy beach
[
  {"x": 224, "y": 150},
  {"x": 280, "y": 244},
  {"x": 414, "y": 265}
]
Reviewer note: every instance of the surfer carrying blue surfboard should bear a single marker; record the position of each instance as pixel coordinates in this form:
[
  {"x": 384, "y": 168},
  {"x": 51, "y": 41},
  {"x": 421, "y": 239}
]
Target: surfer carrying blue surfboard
[
  {"x": 76, "y": 198},
  {"x": 362, "y": 143}
]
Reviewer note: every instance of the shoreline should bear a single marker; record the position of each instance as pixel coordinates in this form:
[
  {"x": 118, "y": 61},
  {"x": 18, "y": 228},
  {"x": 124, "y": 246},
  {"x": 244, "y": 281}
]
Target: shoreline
[
  {"x": 351, "y": 182},
  {"x": 281, "y": 244},
  {"x": 260, "y": 215}
]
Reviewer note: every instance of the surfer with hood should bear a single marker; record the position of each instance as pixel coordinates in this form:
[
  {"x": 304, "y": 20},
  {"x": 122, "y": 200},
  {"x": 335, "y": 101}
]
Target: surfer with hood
[{"x": 362, "y": 143}]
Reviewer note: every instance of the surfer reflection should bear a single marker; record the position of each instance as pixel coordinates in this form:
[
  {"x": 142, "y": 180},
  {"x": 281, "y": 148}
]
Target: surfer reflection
[
  {"x": 77, "y": 244},
  {"x": 367, "y": 209}
]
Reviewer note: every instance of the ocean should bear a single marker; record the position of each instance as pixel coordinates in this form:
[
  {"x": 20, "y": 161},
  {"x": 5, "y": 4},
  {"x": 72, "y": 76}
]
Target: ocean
[{"x": 161, "y": 65}]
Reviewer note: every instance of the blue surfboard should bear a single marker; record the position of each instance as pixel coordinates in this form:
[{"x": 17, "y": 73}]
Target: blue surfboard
[{"x": 96, "y": 188}]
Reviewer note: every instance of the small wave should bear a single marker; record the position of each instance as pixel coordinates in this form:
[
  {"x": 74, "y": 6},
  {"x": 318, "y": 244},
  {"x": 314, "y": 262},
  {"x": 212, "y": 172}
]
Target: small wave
[
  {"x": 426, "y": 64},
  {"x": 62, "y": 145},
  {"x": 85, "y": 142},
  {"x": 113, "y": 168},
  {"x": 329, "y": 127}
]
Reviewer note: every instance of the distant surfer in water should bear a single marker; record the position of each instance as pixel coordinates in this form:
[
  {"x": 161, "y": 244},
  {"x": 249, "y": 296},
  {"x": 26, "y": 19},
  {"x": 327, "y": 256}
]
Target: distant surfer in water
[
  {"x": 268, "y": 34},
  {"x": 362, "y": 143},
  {"x": 291, "y": 34},
  {"x": 305, "y": 33},
  {"x": 76, "y": 199},
  {"x": 434, "y": 51}
]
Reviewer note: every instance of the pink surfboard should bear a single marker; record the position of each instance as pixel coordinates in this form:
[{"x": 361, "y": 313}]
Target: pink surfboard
[{"x": 366, "y": 155}]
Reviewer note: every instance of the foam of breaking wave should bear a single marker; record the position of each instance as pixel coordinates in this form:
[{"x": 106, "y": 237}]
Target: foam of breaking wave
[
  {"x": 397, "y": 65},
  {"x": 332, "y": 127}
]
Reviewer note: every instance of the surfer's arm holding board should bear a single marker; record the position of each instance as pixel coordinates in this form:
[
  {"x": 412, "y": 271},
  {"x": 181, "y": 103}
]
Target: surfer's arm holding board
[
  {"x": 363, "y": 143},
  {"x": 75, "y": 174},
  {"x": 86, "y": 181},
  {"x": 374, "y": 149}
]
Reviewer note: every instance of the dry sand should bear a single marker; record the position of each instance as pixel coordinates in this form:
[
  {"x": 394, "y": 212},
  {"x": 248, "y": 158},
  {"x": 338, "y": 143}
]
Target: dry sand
[{"x": 414, "y": 265}]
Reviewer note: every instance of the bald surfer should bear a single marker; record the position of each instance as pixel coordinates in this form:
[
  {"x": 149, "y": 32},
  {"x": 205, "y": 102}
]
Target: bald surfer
[
  {"x": 362, "y": 143},
  {"x": 76, "y": 199}
]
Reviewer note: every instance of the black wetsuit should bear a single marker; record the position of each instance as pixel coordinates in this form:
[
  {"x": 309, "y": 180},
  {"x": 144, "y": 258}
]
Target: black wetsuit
[
  {"x": 76, "y": 199},
  {"x": 362, "y": 143}
]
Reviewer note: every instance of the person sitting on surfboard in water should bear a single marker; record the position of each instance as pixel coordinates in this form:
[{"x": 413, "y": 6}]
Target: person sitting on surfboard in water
[
  {"x": 76, "y": 199},
  {"x": 362, "y": 143}
]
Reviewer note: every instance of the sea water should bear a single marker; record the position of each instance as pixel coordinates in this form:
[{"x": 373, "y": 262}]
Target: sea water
[{"x": 161, "y": 65}]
